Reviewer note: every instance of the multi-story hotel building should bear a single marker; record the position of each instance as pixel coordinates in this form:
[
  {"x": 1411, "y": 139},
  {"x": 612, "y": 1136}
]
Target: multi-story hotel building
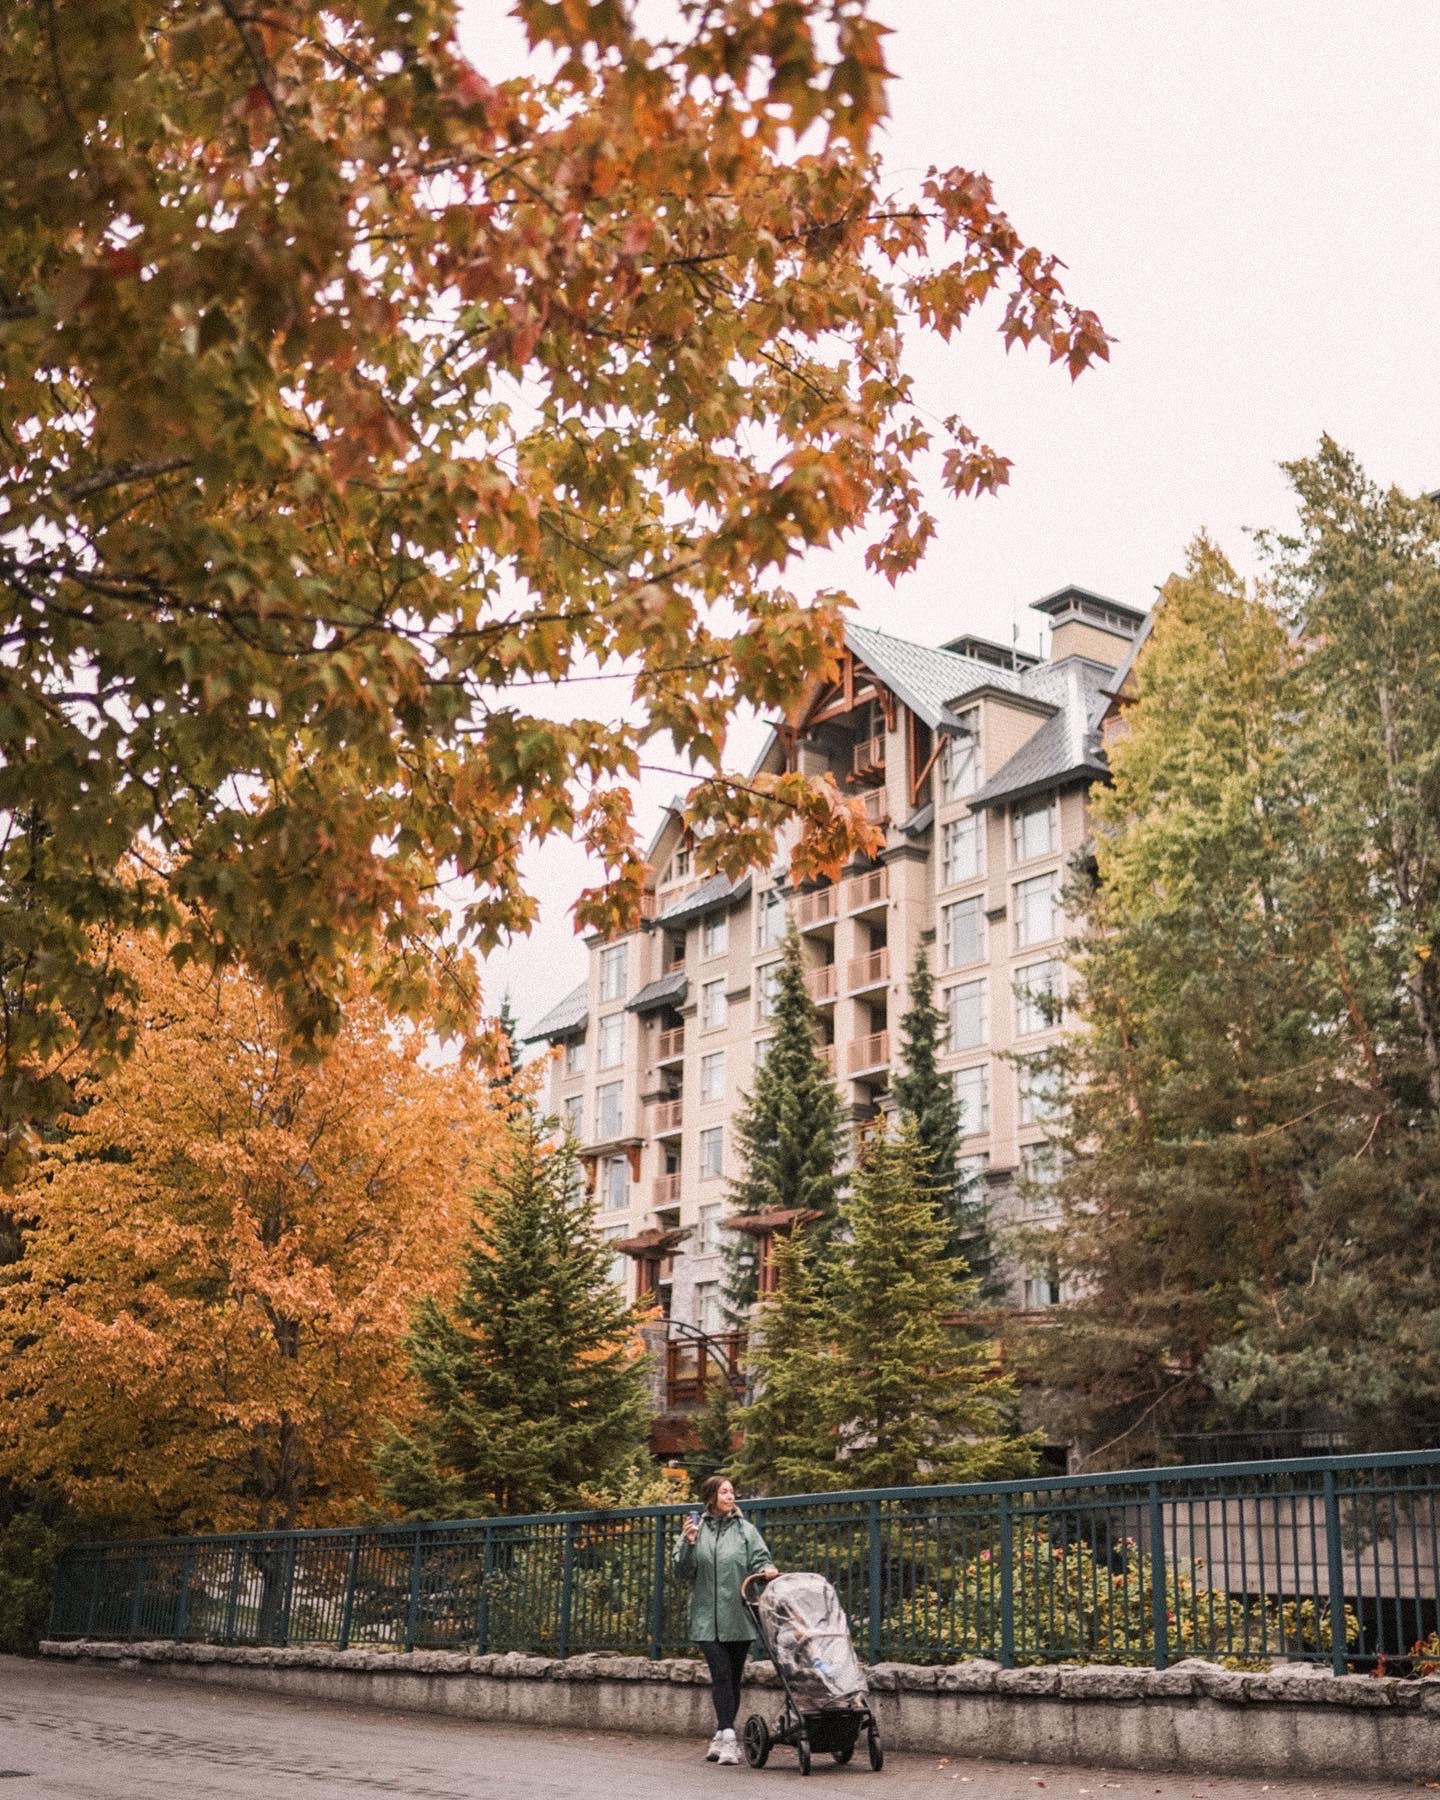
[{"x": 976, "y": 760}]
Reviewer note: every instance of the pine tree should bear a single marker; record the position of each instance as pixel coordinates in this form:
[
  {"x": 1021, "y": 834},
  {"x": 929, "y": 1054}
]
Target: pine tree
[
  {"x": 532, "y": 1393},
  {"x": 789, "y": 1443},
  {"x": 923, "y": 1094},
  {"x": 790, "y": 1133},
  {"x": 714, "y": 1452},
  {"x": 907, "y": 1399}
]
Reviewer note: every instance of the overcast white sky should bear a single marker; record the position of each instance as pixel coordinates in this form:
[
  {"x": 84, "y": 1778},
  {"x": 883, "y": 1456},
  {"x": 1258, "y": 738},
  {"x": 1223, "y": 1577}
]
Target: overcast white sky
[{"x": 1247, "y": 192}]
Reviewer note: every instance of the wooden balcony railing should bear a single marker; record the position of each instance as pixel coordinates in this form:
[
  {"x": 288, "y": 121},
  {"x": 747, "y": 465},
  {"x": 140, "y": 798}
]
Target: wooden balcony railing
[
  {"x": 666, "y": 1116},
  {"x": 868, "y": 757},
  {"x": 820, "y": 983},
  {"x": 814, "y": 909},
  {"x": 868, "y": 971},
  {"x": 826, "y": 1053},
  {"x": 871, "y": 1052},
  {"x": 666, "y": 1191},
  {"x": 693, "y": 1367},
  {"x": 869, "y": 889},
  {"x": 670, "y": 1045}
]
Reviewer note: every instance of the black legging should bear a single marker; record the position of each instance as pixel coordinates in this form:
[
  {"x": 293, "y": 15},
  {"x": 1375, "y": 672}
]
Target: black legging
[{"x": 726, "y": 1662}]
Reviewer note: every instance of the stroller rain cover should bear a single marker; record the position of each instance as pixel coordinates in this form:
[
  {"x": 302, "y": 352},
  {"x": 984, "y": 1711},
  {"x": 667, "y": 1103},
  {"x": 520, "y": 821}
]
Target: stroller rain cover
[{"x": 808, "y": 1636}]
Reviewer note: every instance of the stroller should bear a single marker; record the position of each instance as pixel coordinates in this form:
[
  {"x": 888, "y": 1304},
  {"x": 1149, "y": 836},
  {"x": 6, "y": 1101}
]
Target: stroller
[{"x": 803, "y": 1627}]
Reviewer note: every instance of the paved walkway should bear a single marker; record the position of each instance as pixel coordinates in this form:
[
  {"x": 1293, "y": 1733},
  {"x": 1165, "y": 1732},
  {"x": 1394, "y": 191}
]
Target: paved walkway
[{"x": 85, "y": 1734}]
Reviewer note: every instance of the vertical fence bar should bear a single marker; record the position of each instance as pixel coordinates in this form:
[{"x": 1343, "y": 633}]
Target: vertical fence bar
[
  {"x": 232, "y": 1599},
  {"x": 876, "y": 1580},
  {"x": 567, "y": 1588},
  {"x": 1333, "y": 1549},
  {"x": 137, "y": 1596},
  {"x": 657, "y": 1591},
  {"x": 347, "y": 1605},
  {"x": 487, "y": 1571},
  {"x": 412, "y": 1606},
  {"x": 1160, "y": 1625},
  {"x": 1007, "y": 1585},
  {"x": 93, "y": 1607},
  {"x": 182, "y": 1599}
]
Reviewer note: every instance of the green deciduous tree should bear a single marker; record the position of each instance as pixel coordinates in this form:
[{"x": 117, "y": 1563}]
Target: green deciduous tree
[
  {"x": 925, "y": 1095},
  {"x": 349, "y": 396},
  {"x": 533, "y": 1392},
  {"x": 789, "y": 1132}
]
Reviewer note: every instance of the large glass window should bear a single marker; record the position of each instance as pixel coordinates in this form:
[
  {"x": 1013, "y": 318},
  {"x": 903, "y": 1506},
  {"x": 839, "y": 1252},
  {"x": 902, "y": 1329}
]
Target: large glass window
[
  {"x": 1039, "y": 1171},
  {"x": 1039, "y": 1096},
  {"x": 1033, "y": 830},
  {"x": 767, "y": 983},
  {"x": 709, "y": 1239},
  {"x": 963, "y": 932},
  {"x": 712, "y": 1152},
  {"x": 769, "y": 919},
  {"x": 960, "y": 759},
  {"x": 575, "y": 1056},
  {"x": 967, "y": 1008},
  {"x": 610, "y": 1042},
  {"x": 712, "y": 1005},
  {"x": 712, "y": 1077},
  {"x": 715, "y": 934},
  {"x": 572, "y": 1114},
  {"x": 607, "y": 1111},
  {"x": 709, "y": 1308},
  {"x": 962, "y": 849},
  {"x": 972, "y": 1091},
  {"x": 1043, "y": 1287},
  {"x": 615, "y": 1184},
  {"x": 680, "y": 864},
  {"x": 619, "y": 1270},
  {"x": 1037, "y": 997},
  {"x": 612, "y": 972},
  {"x": 1038, "y": 913}
]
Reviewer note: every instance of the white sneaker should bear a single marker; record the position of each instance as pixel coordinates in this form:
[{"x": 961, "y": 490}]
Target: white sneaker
[
  {"x": 717, "y": 1744},
  {"x": 729, "y": 1749}
]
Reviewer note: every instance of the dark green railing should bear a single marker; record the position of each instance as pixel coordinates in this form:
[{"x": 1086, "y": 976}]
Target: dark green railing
[{"x": 1330, "y": 1559}]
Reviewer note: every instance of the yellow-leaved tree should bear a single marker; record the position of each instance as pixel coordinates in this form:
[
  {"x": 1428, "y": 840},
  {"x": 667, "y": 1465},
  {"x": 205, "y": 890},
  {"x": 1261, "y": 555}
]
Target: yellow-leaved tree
[{"x": 221, "y": 1254}]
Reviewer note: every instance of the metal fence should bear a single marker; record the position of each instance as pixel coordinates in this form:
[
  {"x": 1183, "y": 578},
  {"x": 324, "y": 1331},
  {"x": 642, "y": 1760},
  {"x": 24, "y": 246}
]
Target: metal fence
[{"x": 1329, "y": 1559}]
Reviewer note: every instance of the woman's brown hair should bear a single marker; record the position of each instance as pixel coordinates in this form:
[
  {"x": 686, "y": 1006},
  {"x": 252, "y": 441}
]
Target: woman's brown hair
[{"x": 709, "y": 1488}]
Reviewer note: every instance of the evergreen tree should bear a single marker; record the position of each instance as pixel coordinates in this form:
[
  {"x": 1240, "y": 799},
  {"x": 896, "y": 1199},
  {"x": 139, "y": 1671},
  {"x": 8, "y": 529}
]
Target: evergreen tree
[
  {"x": 714, "y": 1452},
  {"x": 531, "y": 1392},
  {"x": 790, "y": 1133},
  {"x": 907, "y": 1397},
  {"x": 923, "y": 1094},
  {"x": 788, "y": 1442}
]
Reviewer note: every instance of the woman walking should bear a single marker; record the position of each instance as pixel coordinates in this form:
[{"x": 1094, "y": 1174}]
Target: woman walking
[{"x": 717, "y": 1550}]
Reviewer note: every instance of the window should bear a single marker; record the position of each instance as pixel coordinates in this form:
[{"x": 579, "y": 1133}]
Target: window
[
  {"x": 712, "y": 1152},
  {"x": 972, "y": 1169},
  {"x": 767, "y": 982},
  {"x": 709, "y": 1310},
  {"x": 680, "y": 863},
  {"x": 962, "y": 849},
  {"x": 610, "y": 1042},
  {"x": 709, "y": 1230},
  {"x": 967, "y": 1009},
  {"x": 712, "y": 1006},
  {"x": 1043, "y": 1287},
  {"x": 715, "y": 934},
  {"x": 1037, "y": 997},
  {"x": 1038, "y": 917},
  {"x": 619, "y": 1270},
  {"x": 607, "y": 1111},
  {"x": 1039, "y": 1095},
  {"x": 963, "y": 932},
  {"x": 575, "y": 1056},
  {"x": 770, "y": 919},
  {"x": 572, "y": 1114},
  {"x": 763, "y": 1047},
  {"x": 1039, "y": 1171},
  {"x": 712, "y": 1077},
  {"x": 972, "y": 1091},
  {"x": 960, "y": 760},
  {"x": 1032, "y": 830},
  {"x": 615, "y": 1184},
  {"x": 612, "y": 972}
]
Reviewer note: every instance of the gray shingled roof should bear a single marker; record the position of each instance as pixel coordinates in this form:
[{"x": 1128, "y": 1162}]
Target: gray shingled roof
[
  {"x": 926, "y": 680},
  {"x": 1066, "y": 747},
  {"x": 711, "y": 891},
  {"x": 669, "y": 990},
  {"x": 564, "y": 1018}
]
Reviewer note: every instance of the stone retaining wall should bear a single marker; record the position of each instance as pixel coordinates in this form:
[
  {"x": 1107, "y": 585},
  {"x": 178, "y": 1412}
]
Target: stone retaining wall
[{"x": 1196, "y": 1717}]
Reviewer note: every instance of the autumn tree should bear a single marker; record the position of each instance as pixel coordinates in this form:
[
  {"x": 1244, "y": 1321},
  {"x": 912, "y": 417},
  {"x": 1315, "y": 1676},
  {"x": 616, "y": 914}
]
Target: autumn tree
[
  {"x": 221, "y": 1253},
  {"x": 789, "y": 1134},
  {"x": 350, "y": 395},
  {"x": 532, "y": 1393}
]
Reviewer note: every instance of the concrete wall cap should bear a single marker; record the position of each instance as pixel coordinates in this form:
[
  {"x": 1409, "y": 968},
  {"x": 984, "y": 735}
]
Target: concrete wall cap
[
  {"x": 1100, "y": 1681},
  {"x": 976, "y": 1677},
  {"x": 1040, "y": 1680}
]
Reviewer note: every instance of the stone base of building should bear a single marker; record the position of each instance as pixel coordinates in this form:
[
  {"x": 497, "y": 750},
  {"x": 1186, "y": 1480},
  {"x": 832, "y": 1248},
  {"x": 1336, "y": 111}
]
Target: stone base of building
[{"x": 1196, "y": 1717}]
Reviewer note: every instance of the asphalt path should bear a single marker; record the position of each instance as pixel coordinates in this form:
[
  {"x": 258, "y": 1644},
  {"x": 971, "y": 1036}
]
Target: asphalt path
[{"x": 70, "y": 1733}]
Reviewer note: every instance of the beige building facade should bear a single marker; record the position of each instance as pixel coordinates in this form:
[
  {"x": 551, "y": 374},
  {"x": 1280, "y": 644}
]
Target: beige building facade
[{"x": 976, "y": 761}]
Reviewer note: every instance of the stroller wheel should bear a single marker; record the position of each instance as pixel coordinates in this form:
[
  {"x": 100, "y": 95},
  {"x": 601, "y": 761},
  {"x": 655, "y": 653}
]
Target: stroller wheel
[
  {"x": 802, "y": 1750},
  {"x": 757, "y": 1741},
  {"x": 876, "y": 1748},
  {"x": 844, "y": 1755}
]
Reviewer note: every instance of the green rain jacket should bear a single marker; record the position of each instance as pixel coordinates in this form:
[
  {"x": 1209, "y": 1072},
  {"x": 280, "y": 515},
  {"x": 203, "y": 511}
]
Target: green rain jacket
[{"x": 724, "y": 1553}]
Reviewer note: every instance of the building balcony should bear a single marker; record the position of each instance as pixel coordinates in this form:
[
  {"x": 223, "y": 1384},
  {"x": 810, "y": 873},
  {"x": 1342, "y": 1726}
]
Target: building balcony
[
  {"x": 876, "y": 806},
  {"x": 826, "y": 1053},
  {"x": 670, "y": 1045},
  {"x": 869, "y": 971},
  {"x": 867, "y": 1055},
  {"x": 665, "y": 1191},
  {"x": 820, "y": 983},
  {"x": 810, "y": 910},
  {"x": 696, "y": 1366},
  {"x": 868, "y": 757},
  {"x": 867, "y": 892},
  {"x": 667, "y": 1117}
]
